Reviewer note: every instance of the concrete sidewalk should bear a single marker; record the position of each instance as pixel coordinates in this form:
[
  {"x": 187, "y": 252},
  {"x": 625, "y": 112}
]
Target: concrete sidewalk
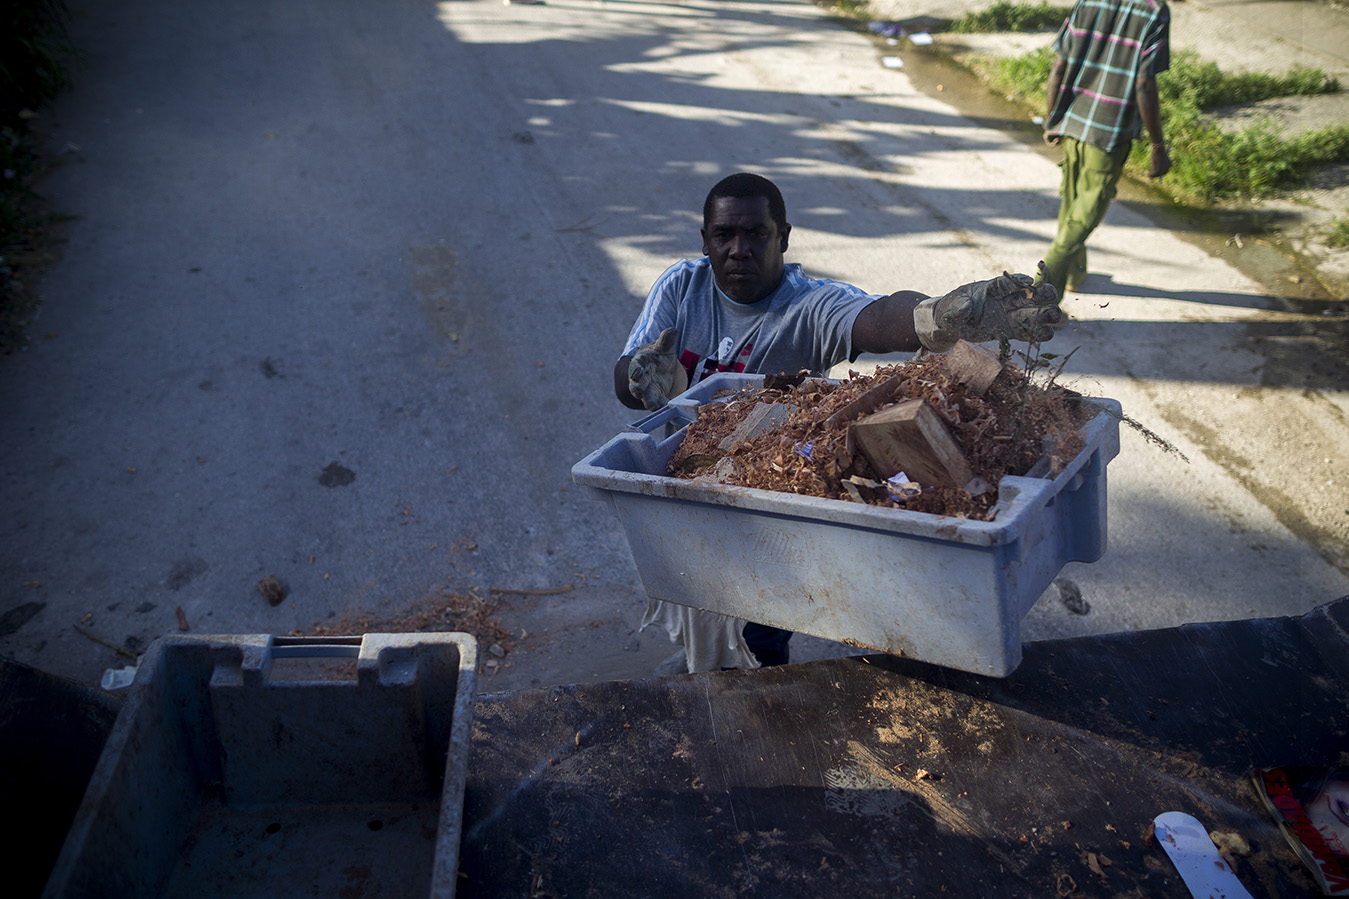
[{"x": 1271, "y": 36}]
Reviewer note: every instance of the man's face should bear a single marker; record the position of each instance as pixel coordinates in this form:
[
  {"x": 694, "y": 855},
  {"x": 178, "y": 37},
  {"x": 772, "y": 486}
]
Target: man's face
[{"x": 745, "y": 247}]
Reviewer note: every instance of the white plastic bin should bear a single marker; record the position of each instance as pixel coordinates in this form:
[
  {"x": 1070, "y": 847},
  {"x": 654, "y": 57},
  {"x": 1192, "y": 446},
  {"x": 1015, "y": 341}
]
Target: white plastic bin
[
  {"x": 944, "y": 590},
  {"x": 222, "y": 779}
]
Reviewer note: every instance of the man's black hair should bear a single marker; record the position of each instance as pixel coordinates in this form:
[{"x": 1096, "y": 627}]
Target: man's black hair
[{"x": 744, "y": 185}]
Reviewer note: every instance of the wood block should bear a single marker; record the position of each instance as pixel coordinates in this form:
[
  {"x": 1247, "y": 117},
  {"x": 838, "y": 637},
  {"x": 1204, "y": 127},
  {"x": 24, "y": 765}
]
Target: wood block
[
  {"x": 762, "y": 418},
  {"x": 972, "y": 365},
  {"x": 911, "y": 437},
  {"x": 873, "y": 399}
]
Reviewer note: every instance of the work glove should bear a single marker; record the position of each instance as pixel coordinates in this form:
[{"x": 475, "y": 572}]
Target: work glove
[
  {"x": 654, "y": 374},
  {"x": 1015, "y": 307}
]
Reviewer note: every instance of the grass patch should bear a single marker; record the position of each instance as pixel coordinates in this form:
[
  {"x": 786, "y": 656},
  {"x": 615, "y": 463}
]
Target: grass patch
[
  {"x": 37, "y": 62},
  {"x": 1024, "y": 77},
  {"x": 1210, "y": 164},
  {"x": 1337, "y": 234},
  {"x": 855, "y": 10},
  {"x": 1007, "y": 16}
]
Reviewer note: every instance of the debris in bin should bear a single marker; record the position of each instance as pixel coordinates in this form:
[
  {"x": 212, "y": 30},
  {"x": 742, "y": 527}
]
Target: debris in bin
[
  {"x": 722, "y": 472},
  {"x": 853, "y": 487},
  {"x": 901, "y": 489},
  {"x": 990, "y": 419},
  {"x": 975, "y": 366},
  {"x": 978, "y": 487},
  {"x": 763, "y": 417}
]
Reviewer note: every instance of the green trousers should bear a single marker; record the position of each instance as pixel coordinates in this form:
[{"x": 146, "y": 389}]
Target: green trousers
[{"x": 1089, "y": 178}]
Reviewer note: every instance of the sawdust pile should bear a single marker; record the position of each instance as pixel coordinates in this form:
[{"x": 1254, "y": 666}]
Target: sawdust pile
[
  {"x": 1016, "y": 425},
  {"x": 449, "y": 611}
]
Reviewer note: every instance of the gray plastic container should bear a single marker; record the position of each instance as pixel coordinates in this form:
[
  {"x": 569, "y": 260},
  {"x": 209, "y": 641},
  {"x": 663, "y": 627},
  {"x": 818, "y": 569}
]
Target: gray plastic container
[
  {"x": 222, "y": 777},
  {"x": 944, "y": 590}
]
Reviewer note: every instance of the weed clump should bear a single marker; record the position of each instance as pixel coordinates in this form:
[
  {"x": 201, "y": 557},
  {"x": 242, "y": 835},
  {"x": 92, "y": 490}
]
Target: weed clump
[
  {"x": 37, "y": 63},
  {"x": 1009, "y": 16}
]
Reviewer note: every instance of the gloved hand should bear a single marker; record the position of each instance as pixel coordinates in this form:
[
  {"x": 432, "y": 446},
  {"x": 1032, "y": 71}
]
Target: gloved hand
[
  {"x": 1011, "y": 306},
  {"x": 654, "y": 374}
]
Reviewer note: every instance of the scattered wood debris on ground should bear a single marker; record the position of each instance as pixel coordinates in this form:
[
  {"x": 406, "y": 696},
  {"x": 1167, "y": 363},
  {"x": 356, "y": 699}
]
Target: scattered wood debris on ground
[
  {"x": 1000, "y": 421},
  {"x": 465, "y": 612}
]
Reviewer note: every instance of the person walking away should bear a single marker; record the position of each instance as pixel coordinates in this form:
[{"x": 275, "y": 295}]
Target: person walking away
[{"x": 1102, "y": 93}]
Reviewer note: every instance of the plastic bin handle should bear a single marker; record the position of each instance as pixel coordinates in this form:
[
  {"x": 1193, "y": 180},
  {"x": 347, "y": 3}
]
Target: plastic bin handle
[
  {"x": 315, "y": 647},
  {"x": 656, "y": 420},
  {"x": 320, "y": 651}
]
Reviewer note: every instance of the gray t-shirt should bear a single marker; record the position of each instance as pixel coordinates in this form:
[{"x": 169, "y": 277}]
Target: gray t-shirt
[{"x": 805, "y": 324}]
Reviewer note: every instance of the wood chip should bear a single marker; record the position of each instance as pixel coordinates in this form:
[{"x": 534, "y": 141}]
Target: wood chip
[
  {"x": 763, "y": 417},
  {"x": 271, "y": 590},
  {"x": 977, "y": 367}
]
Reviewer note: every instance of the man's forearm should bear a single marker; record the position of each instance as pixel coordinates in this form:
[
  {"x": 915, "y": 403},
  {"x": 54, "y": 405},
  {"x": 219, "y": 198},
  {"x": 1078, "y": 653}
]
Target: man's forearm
[
  {"x": 1150, "y": 111},
  {"x": 1055, "y": 83},
  {"x": 886, "y": 326},
  {"x": 1149, "y": 108}
]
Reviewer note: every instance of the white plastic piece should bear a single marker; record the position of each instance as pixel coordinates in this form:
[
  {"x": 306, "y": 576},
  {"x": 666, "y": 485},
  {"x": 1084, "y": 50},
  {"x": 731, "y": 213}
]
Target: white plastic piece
[
  {"x": 118, "y": 678},
  {"x": 1204, "y": 871}
]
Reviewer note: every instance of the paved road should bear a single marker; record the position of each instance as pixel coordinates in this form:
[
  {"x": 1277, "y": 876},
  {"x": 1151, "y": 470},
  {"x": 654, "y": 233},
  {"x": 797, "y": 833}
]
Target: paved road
[{"x": 347, "y": 279}]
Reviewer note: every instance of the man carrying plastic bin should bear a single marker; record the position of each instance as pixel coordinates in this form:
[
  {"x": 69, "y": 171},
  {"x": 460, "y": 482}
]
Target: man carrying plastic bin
[{"x": 741, "y": 308}]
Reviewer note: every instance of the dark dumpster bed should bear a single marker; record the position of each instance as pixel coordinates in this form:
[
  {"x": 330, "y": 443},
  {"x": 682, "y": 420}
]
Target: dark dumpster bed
[
  {"x": 875, "y": 776},
  {"x": 52, "y": 731}
]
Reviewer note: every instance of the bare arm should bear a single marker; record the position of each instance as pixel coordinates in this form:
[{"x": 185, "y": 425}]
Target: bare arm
[
  {"x": 886, "y": 326},
  {"x": 1149, "y": 110},
  {"x": 1056, "y": 71}
]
